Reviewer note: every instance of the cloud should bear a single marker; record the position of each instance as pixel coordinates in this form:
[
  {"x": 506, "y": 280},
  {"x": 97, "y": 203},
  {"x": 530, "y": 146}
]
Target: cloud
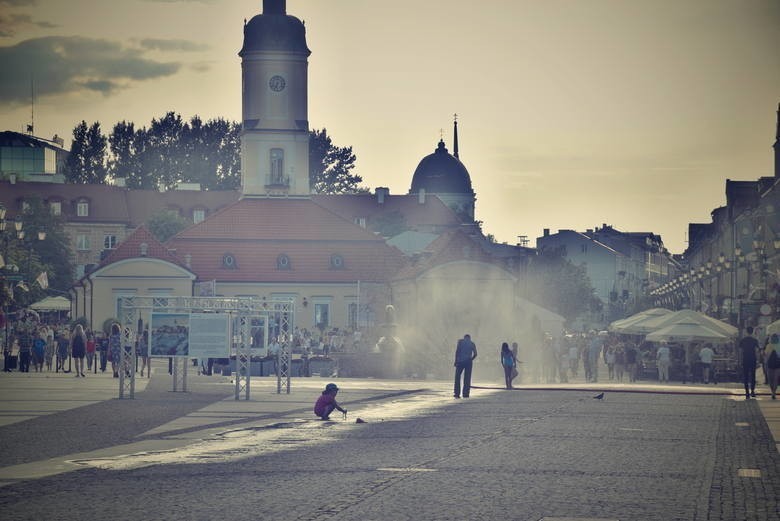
[
  {"x": 159, "y": 44},
  {"x": 10, "y": 23},
  {"x": 68, "y": 64},
  {"x": 17, "y": 3}
]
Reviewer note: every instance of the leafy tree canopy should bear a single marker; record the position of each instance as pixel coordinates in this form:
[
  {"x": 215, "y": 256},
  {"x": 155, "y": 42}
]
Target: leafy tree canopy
[
  {"x": 165, "y": 224},
  {"x": 330, "y": 166}
]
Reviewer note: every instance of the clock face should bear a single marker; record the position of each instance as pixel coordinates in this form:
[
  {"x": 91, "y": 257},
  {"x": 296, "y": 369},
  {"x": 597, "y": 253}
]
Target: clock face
[{"x": 277, "y": 83}]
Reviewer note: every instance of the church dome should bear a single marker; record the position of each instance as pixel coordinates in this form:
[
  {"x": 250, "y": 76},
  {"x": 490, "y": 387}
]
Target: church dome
[
  {"x": 441, "y": 173},
  {"x": 275, "y": 30}
]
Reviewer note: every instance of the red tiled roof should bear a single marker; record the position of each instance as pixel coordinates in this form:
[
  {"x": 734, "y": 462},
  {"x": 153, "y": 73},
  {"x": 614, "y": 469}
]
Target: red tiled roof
[
  {"x": 277, "y": 219},
  {"x": 255, "y": 232},
  {"x": 431, "y": 213},
  {"x": 130, "y": 248},
  {"x": 113, "y": 204}
]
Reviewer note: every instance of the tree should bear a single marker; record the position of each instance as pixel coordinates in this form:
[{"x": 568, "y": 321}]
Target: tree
[
  {"x": 123, "y": 163},
  {"x": 557, "y": 284},
  {"x": 161, "y": 155},
  {"x": 330, "y": 166},
  {"x": 86, "y": 163},
  {"x": 32, "y": 256},
  {"x": 389, "y": 224},
  {"x": 165, "y": 224}
]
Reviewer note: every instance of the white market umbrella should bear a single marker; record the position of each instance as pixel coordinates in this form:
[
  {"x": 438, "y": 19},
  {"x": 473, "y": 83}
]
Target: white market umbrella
[
  {"x": 774, "y": 327},
  {"x": 688, "y": 332},
  {"x": 690, "y": 316},
  {"x": 52, "y": 304},
  {"x": 635, "y": 324}
]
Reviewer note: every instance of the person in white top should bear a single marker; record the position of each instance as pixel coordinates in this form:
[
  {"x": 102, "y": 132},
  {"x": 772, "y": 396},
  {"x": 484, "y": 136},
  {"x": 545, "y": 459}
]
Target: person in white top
[
  {"x": 663, "y": 360},
  {"x": 705, "y": 355}
]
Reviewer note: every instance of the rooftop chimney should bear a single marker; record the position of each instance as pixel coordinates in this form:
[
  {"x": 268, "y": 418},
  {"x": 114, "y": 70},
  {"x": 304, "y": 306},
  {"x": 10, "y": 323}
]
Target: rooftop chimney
[
  {"x": 381, "y": 193},
  {"x": 546, "y": 232}
]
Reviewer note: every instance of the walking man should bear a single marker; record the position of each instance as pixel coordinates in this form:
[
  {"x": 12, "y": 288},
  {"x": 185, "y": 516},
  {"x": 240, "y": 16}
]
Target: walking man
[
  {"x": 748, "y": 345},
  {"x": 664, "y": 360},
  {"x": 465, "y": 353},
  {"x": 705, "y": 355}
]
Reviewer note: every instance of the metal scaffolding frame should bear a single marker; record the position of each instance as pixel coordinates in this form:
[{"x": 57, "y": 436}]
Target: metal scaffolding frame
[{"x": 278, "y": 313}]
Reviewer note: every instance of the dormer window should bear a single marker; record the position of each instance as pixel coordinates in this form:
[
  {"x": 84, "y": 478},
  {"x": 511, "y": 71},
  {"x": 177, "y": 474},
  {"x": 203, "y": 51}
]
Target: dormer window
[
  {"x": 55, "y": 207},
  {"x": 283, "y": 262},
  {"x": 336, "y": 262},
  {"x": 82, "y": 208},
  {"x": 198, "y": 215},
  {"x": 229, "y": 261}
]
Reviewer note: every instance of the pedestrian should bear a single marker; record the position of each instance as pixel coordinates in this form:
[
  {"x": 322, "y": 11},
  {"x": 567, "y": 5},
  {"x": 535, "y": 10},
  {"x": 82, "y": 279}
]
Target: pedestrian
[
  {"x": 749, "y": 348},
  {"x": 772, "y": 357},
  {"x": 38, "y": 353},
  {"x": 114, "y": 348},
  {"x": 574, "y": 358},
  {"x": 24, "y": 340},
  {"x": 516, "y": 371},
  {"x": 49, "y": 348},
  {"x": 91, "y": 348},
  {"x": 465, "y": 353},
  {"x": 63, "y": 343},
  {"x": 102, "y": 348},
  {"x": 594, "y": 352},
  {"x": 631, "y": 361},
  {"x": 143, "y": 353},
  {"x": 620, "y": 362},
  {"x": 509, "y": 363},
  {"x": 705, "y": 357},
  {"x": 326, "y": 403},
  {"x": 663, "y": 361},
  {"x": 78, "y": 349},
  {"x": 610, "y": 359}
]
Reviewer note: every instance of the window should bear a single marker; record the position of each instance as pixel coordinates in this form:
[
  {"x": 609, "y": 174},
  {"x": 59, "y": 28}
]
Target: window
[
  {"x": 229, "y": 261},
  {"x": 360, "y": 221},
  {"x": 352, "y": 315},
  {"x": 82, "y": 209},
  {"x": 25, "y": 206},
  {"x": 55, "y": 207},
  {"x": 336, "y": 261},
  {"x": 118, "y": 295},
  {"x": 283, "y": 262},
  {"x": 584, "y": 248},
  {"x": 82, "y": 242},
  {"x": 198, "y": 215},
  {"x": 109, "y": 242},
  {"x": 80, "y": 270},
  {"x": 277, "y": 166},
  {"x": 321, "y": 315}
]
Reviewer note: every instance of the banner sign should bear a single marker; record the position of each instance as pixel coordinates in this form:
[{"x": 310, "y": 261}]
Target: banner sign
[
  {"x": 170, "y": 334},
  {"x": 209, "y": 335}
]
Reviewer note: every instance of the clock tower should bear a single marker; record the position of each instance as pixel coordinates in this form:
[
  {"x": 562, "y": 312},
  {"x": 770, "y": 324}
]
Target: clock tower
[{"x": 275, "y": 133}]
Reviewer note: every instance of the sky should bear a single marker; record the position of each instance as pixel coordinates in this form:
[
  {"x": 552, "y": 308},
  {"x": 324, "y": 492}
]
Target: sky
[{"x": 571, "y": 113}]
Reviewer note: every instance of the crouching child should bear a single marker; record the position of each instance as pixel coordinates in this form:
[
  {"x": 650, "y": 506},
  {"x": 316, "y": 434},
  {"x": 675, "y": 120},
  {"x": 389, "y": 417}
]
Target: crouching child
[{"x": 327, "y": 402}]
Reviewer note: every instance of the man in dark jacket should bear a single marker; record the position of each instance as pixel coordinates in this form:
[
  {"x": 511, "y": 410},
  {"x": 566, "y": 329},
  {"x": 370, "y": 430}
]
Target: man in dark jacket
[{"x": 465, "y": 353}]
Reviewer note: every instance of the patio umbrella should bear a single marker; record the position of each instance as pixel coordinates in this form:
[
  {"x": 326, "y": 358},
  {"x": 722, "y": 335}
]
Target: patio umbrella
[
  {"x": 52, "y": 304},
  {"x": 634, "y": 325},
  {"x": 690, "y": 316},
  {"x": 774, "y": 327},
  {"x": 688, "y": 332}
]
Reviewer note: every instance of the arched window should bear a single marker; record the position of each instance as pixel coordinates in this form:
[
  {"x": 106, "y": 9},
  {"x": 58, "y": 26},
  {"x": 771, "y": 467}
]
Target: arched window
[
  {"x": 277, "y": 166},
  {"x": 283, "y": 262}
]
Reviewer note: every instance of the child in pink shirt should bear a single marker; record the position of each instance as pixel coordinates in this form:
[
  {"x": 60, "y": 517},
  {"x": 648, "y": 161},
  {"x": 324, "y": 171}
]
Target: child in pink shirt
[{"x": 327, "y": 402}]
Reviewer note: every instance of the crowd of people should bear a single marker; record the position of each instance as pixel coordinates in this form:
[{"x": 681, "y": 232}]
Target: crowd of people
[{"x": 61, "y": 347}]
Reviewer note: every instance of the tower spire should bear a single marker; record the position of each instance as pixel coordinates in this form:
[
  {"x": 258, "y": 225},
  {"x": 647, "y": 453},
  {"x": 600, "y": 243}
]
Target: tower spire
[
  {"x": 455, "y": 138},
  {"x": 776, "y": 146}
]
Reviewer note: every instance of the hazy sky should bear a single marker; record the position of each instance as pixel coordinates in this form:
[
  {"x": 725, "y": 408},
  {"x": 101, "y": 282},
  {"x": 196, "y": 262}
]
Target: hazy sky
[{"x": 571, "y": 113}]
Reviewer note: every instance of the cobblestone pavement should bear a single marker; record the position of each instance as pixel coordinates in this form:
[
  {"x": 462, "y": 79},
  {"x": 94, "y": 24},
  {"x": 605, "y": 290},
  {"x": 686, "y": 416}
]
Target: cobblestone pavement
[{"x": 520, "y": 455}]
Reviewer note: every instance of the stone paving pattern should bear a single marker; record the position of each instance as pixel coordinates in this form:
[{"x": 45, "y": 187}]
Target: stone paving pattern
[{"x": 520, "y": 454}]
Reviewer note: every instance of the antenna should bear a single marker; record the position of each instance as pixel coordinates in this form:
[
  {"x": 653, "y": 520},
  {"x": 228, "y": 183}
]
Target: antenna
[{"x": 31, "y": 126}]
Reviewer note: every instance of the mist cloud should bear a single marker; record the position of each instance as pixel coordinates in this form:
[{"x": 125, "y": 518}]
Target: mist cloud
[
  {"x": 69, "y": 64},
  {"x": 159, "y": 44}
]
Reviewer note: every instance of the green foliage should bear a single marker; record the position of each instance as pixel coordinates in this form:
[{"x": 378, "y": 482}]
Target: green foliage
[
  {"x": 107, "y": 325},
  {"x": 32, "y": 256},
  {"x": 557, "y": 284},
  {"x": 389, "y": 224},
  {"x": 165, "y": 224},
  {"x": 330, "y": 166},
  {"x": 86, "y": 163}
]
